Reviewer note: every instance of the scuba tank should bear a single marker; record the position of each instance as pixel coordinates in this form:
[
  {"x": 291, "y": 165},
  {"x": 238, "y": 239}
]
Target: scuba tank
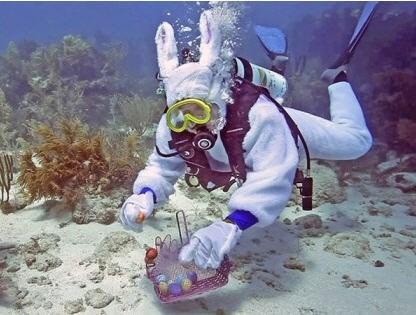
[{"x": 274, "y": 82}]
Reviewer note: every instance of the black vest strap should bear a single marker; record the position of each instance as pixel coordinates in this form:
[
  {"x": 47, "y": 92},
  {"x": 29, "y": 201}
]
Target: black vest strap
[
  {"x": 245, "y": 95},
  {"x": 294, "y": 129},
  {"x": 198, "y": 172}
]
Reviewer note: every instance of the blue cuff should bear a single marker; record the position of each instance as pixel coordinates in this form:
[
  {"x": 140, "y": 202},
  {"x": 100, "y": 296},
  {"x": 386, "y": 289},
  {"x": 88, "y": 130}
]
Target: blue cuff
[
  {"x": 243, "y": 218},
  {"x": 145, "y": 190}
]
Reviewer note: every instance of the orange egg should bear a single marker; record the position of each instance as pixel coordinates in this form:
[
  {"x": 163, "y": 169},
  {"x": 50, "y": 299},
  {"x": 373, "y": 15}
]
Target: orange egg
[
  {"x": 151, "y": 253},
  {"x": 140, "y": 218}
]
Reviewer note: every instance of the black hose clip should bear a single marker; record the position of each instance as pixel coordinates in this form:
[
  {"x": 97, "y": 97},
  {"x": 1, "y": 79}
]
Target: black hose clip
[{"x": 305, "y": 186}]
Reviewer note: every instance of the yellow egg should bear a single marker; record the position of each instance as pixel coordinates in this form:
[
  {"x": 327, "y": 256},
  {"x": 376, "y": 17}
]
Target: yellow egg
[
  {"x": 163, "y": 288},
  {"x": 186, "y": 285}
]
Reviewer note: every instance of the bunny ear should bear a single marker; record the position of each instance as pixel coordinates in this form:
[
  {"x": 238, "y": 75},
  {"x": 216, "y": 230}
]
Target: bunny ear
[
  {"x": 210, "y": 39},
  {"x": 167, "y": 53}
]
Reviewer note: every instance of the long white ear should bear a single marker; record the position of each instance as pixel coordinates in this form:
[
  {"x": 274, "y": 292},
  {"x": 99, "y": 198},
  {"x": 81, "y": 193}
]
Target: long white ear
[
  {"x": 167, "y": 52},
  {"x": 210, "y": 39}
]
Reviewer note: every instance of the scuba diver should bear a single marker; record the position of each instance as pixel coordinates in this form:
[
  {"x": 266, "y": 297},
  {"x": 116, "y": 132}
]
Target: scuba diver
[{"x": 252, "y": 141}]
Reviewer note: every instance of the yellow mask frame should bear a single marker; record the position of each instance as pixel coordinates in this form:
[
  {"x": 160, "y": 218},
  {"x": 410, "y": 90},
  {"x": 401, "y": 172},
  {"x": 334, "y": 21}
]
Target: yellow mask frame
[{"x": 188, "y": 117}]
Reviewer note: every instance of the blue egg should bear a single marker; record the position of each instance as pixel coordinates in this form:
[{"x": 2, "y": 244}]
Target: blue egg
[
  {"x": 191, "y": 275},
  {"x": 161, "y": 278},
  {"x": 175, "y": 289},
  {"x": 179, "y": 279}
]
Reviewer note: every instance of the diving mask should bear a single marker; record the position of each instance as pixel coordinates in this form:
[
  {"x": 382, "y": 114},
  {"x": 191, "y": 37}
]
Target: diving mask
[{"x": 186, "y": 113}]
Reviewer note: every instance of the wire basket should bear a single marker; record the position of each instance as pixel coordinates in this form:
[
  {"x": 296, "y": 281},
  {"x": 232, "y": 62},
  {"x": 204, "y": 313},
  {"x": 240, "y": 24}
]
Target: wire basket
[{"x": 174, "y": 281}]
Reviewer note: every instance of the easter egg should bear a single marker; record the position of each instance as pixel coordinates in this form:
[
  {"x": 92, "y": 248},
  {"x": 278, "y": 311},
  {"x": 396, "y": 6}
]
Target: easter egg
[
  {"x": 140, "y": 218},
  {"x": 191, "y": 275},
  {"x": 175, "y": 289},
  {"x": 161, "y": 278},
  {"x": 151, "y": 253},
  {"x": 186, "y": 285},
  {"x": 163, "y": 288},
  {"x": 179, "y": 279}
]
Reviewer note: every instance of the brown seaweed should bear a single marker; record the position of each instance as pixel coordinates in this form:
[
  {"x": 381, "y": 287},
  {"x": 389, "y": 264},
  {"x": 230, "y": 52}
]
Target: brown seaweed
[
  {"x": 71, "y": 159},
  {"x": 6, "y": 176}
]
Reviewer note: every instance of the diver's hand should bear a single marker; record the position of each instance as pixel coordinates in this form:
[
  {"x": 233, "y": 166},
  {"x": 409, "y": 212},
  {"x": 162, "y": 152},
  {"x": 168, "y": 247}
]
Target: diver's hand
[
  {"x": 209, "y": 245},
  {"x": 136, "y": 208}
]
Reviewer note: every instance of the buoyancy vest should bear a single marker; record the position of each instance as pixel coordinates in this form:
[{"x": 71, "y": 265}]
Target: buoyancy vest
[{"x": 198, "y": 170}]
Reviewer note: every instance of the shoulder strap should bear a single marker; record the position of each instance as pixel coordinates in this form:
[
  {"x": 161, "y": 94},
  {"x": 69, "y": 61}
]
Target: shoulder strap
[
  {"x": 245, "y": 96},
  {"x": 293, "y": 127}
]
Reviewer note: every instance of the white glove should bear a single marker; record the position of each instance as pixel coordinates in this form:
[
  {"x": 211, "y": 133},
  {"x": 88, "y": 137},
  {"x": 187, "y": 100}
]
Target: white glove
[
  {"x": 208, "y": 246},
  {"x": 134, "y": 206}
]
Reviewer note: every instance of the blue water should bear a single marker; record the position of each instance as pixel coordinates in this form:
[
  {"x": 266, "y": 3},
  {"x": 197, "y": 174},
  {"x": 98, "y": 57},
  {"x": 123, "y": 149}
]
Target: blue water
[
  {"x": 135, "y": 23},
  {"x": 48, "y": 21}
]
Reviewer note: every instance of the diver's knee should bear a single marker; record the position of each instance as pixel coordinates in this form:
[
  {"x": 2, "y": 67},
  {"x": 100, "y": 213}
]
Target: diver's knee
[
  {"x": 363, "y": 144},
  {"x": 367, "y": 142}
]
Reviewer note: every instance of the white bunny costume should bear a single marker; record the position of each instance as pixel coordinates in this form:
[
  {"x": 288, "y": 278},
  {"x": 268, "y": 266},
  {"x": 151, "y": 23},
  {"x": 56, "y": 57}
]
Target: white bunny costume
[{"x": 271, "y": 156}]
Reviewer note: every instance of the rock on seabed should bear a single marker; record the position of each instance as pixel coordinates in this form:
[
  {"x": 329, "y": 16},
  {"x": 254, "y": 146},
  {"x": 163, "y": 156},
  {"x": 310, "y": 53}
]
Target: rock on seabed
[
  {"x": 349, "y": 244},
  {"x": 97, "y": 298}
]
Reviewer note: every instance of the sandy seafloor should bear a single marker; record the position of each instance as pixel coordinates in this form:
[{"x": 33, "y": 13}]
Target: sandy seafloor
[{"x": 340, "y": 277}]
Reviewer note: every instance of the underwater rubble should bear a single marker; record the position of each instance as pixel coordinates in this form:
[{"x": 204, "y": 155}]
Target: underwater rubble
[{"x": 369, "y": 228}]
